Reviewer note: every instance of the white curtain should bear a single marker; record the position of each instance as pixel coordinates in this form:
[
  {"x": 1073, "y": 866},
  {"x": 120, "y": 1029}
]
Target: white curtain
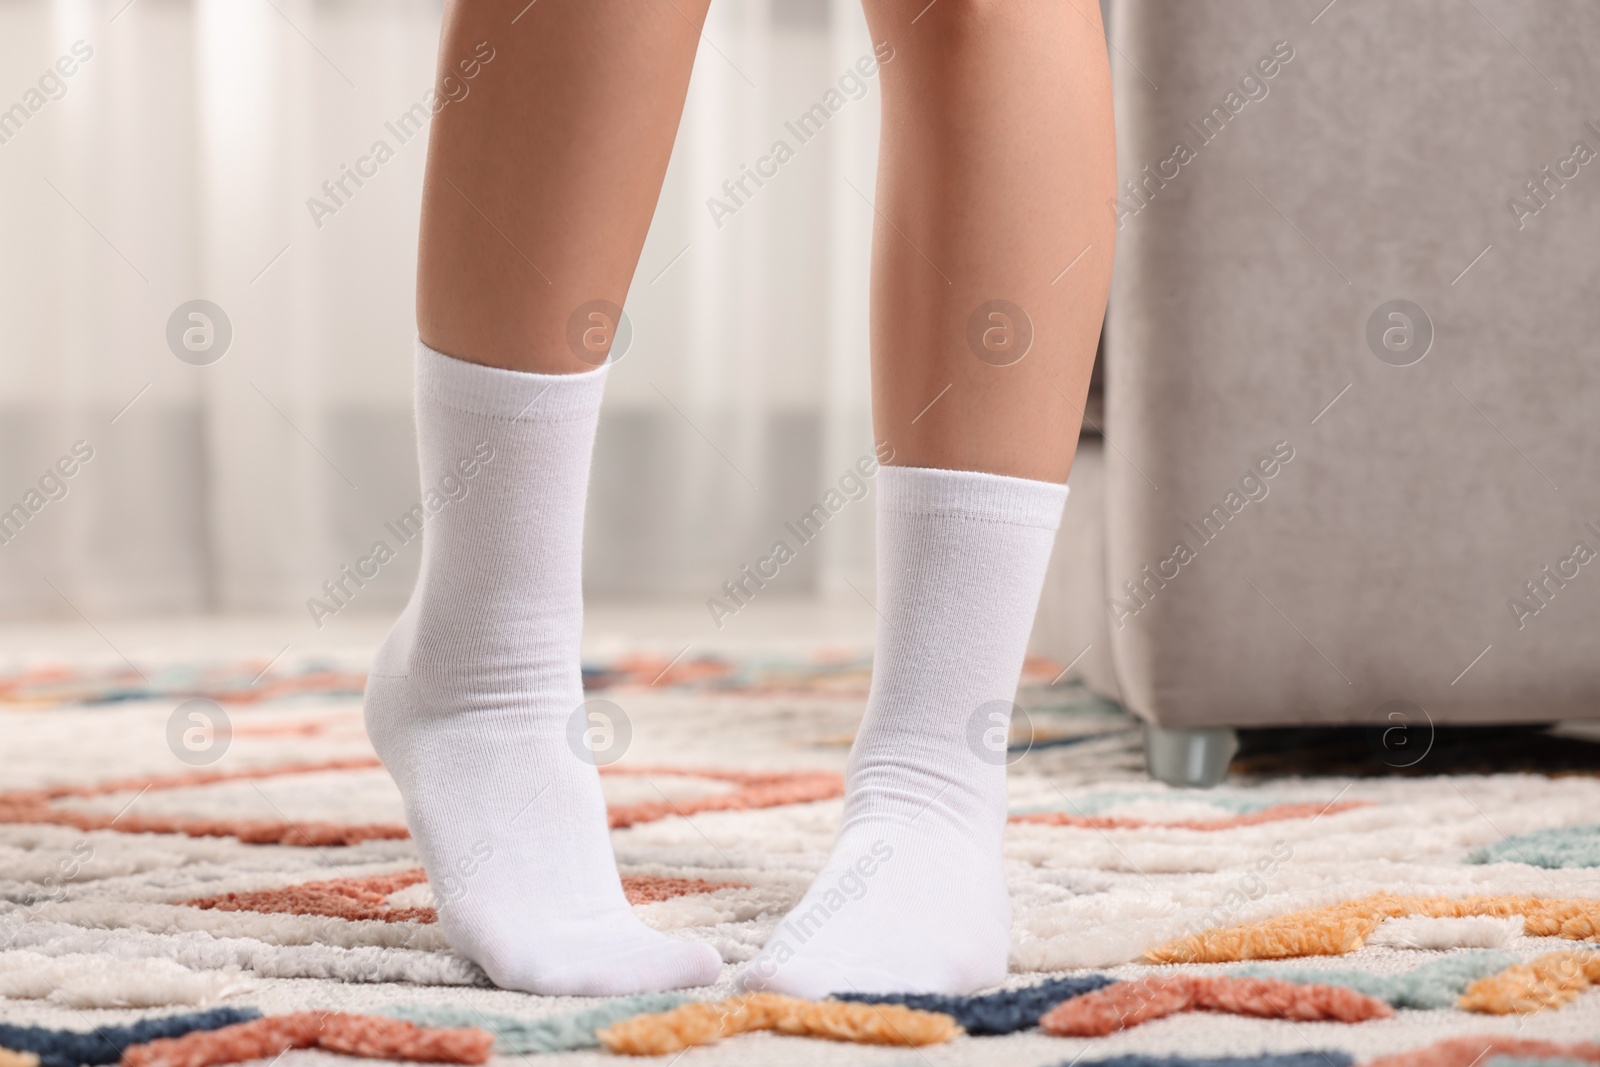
[{"x": 175, "y": 163}]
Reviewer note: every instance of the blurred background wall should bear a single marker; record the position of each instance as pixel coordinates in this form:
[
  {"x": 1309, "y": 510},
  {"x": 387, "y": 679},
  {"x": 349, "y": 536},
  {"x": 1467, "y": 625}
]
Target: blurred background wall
[{"x": 176, "y": 162}]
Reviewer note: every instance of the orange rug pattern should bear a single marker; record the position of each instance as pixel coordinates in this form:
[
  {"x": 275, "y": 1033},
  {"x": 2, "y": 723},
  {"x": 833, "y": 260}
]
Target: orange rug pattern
[
  {"x": 1548, "y": 981},
  {"x": 1341, "y": 928},
  {"x": 755, "y": 790},
  {"x": 1127, "y": 1004},
  {"x": 664, "y": 1033},
  {"x": 1275, "y": 813},
  {"x": 369, "y": 1036},
  {"x": 1466, "y": 1051},
  {"x": 359, "y": 899}
]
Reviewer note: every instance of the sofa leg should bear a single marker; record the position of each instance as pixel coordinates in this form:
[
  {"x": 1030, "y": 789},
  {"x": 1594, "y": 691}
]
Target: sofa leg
[{"x": 1195, "y": 759}]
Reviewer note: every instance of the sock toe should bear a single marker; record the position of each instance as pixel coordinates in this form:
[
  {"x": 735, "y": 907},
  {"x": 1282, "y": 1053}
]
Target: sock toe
[{"x": 646, "y": 964}]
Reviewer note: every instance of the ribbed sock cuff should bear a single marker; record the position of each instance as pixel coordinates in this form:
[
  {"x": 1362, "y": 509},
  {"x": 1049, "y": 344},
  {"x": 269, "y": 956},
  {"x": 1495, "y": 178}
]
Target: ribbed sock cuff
[
  {"x": 971, "y": 495},
  {"x": 507, "y": 394}
]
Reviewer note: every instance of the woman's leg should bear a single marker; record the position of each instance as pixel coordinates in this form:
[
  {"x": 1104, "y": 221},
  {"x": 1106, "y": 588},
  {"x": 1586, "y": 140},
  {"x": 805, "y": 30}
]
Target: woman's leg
[
  {"x": 995, "y": 173},
  {"x": 993, "y": 227},
  {"x": 540, "y": 186},
  {"x": 541, "y": 183}
]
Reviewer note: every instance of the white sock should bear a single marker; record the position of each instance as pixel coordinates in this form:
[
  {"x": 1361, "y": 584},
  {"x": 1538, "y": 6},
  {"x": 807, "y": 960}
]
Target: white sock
[
  {"x": 913, "y": 897},
  {"x": 471, "y": 695}
]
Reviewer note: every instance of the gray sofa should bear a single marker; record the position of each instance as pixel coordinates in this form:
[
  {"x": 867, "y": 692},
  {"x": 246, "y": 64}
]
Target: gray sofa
[{"x": 1351, "y": 465}]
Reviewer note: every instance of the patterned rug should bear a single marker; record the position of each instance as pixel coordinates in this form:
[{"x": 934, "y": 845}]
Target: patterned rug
[{"x": 204, "y": 864}]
